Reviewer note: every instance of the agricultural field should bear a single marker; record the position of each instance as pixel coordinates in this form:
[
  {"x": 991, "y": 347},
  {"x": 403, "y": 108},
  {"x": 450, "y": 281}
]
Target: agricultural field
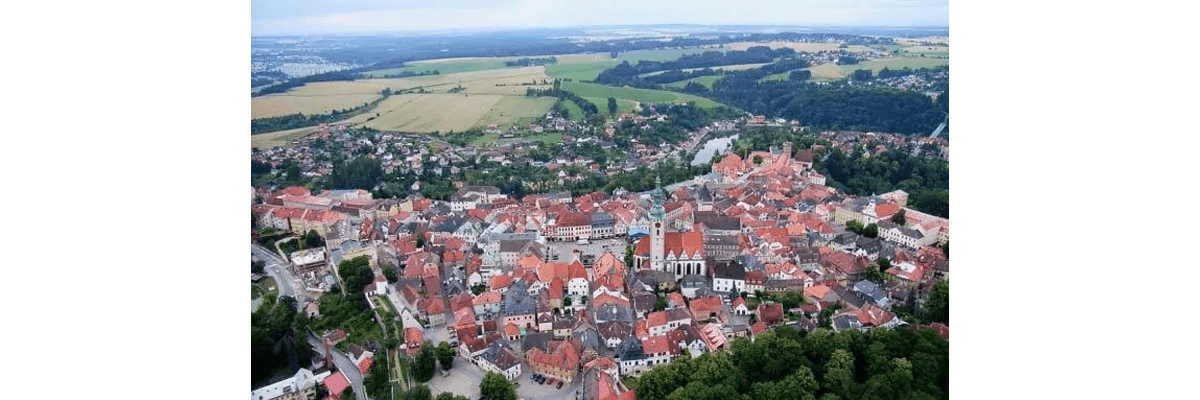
[
  {"x": 579, "y": 72},
  {"x": 286, "y": 104},
  {"x": 281, "y": 138},
  {"x": 634, "y": 94},
  {"x": 498, "y": 94},
  {"x": 517, "y": 110},
  {"x": 828, "y": 71},
  {"x": 432, "y": 112}
]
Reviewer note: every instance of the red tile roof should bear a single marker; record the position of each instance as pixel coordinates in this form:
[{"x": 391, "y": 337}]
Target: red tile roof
[{"x": 336, "y": 383}]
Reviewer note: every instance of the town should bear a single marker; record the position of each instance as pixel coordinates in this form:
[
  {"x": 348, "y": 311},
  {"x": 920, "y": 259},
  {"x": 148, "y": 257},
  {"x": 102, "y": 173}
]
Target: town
[{"x": 572, "y": 295}]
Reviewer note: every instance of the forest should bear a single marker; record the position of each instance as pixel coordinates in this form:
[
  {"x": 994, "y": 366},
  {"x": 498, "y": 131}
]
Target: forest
[
  {"x": 836, "y": 106},
  {"x": 626, "y": 74},
  {"x": 927, "y": 180},
  {"x": 783, "y": 363},
  {"x": 278, "y": 341}
]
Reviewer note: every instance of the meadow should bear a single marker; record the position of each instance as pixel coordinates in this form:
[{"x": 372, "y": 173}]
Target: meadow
[{"x": 432, "y": 112}]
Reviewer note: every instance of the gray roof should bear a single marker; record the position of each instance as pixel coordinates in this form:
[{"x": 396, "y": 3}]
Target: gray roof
[
  {"x": 589, "y": 337},
  {"x": 873, "y": 292},
  {"x": 602, "y": 219},
  {"x": 630, "y": 349},
  {"x": 750, "y": 263},
  {"x": 844, "y": 321},
  {"x": 714, "y": 220},
  {"x": 514, "y": 246},
  {"x": 612, "y": 312},
  {"x": 536, "y": 339},
  {"x": 728, "y": 270},
  {"x": 693, "y": 281}
]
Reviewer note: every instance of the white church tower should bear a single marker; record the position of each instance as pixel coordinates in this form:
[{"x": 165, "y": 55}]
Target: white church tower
[{"x": 657, "y": 229}]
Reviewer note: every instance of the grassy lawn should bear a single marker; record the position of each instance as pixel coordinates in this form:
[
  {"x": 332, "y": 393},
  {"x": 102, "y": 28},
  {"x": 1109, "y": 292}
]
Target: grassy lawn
[
  {"x": 256, "y": 291},
  {"x": 267, "y": 284}
]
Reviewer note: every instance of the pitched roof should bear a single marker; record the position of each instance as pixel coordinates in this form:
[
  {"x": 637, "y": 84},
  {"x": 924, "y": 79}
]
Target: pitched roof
[
  {"x": 336, "y": 383},
  {"x": 772, "y": 313}
]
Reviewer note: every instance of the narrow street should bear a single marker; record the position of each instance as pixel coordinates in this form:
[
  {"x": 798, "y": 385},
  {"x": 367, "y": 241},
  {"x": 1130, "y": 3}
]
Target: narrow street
[{"x": 343, "y": 364}]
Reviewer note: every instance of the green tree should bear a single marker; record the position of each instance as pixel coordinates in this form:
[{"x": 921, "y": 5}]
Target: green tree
[
  {"x": 445, "y": 355},
  {"x": 884, "y": 263},
  {"x": 871, "y": 231},
  {"x": 422, "y": 366},
  {"x": 937, "y": 305},
  {"x": 376, "y": 382},
  {"x": 293, "y": 173},
  {"x": 496, "y": 387},
  {"x": 839, "y": 374},
  {"x": 758, "y": 160},
  {"x": 854, "y": 226},
  {"x": 417, "y": 392},
  {"x": 257, "y": 267},
  {"x": 355, "y": 273},
  {"x": 899, "y": 219},
  {"x": 612, "y": 105}
]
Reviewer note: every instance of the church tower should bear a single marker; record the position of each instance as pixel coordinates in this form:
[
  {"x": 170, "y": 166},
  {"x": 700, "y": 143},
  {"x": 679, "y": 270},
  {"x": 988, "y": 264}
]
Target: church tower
[{"x": 657, "y": 229}]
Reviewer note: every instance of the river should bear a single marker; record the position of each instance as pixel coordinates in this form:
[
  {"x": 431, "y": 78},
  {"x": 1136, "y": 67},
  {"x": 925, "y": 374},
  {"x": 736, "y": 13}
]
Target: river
[{"x": 712, "y": 148}]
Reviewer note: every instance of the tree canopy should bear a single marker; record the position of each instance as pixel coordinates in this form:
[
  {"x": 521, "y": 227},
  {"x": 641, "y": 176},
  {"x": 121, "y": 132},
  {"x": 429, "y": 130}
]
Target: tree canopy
[
  {"x": 787, "y": 364},
  {"x": 496, "y": 387}
]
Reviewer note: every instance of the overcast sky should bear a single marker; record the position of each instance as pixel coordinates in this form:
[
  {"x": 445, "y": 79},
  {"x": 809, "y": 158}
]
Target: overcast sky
[{"x": 287, "y": 17}]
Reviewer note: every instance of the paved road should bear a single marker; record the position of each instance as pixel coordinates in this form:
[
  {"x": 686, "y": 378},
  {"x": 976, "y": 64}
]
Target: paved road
[
  {"x": 343, "y": 364},
  {"x": 278, "y": 270}
]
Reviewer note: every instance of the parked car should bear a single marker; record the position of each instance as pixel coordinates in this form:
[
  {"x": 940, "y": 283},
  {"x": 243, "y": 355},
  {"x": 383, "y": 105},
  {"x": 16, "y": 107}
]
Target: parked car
[{"x": 559, "y": 385}]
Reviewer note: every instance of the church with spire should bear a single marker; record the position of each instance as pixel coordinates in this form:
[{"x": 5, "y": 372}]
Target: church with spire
[{"x": 679, "y": 253}]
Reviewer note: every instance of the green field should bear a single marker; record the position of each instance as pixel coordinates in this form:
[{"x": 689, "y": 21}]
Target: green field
[
  {"x": 443, "y": 67},
  {"x": 634, "y": 94},
  {"x": 707, "y": 81},
  {"x": 576, "y": 113},
  {"x": 485, "y": 140},
  {"x": 579, "y": 72}
]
